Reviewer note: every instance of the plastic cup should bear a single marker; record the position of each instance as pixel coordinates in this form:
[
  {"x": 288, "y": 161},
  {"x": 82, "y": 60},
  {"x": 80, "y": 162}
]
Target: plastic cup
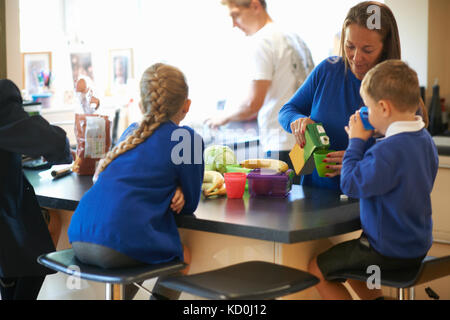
[
  {"x": 235, "y": 184},
  {"x": 364, "y": 112},
  {"x": 33, "y": 110},
  {"x": 238, "y": 168},
  {"x": 321, "y": 166}
]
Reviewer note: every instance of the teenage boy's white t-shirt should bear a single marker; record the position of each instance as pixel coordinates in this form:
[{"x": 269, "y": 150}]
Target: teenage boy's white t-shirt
[{"x": 284, "y": 59}]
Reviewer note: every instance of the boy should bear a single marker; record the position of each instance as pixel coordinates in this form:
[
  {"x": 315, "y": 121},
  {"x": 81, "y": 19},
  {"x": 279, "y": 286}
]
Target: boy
[{"x": 393, "y": 180}]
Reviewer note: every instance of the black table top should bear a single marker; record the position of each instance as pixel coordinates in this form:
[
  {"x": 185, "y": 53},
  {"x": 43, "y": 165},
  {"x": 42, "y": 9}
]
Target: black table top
[{"x": 306, "y": 214}]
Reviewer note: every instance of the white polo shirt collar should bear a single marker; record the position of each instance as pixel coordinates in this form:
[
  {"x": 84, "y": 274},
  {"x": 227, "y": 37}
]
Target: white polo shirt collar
[{"x": 405, "y": 126}]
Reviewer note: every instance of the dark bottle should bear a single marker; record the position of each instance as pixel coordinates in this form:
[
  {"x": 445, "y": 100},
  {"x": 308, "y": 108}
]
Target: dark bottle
[
  {"x": 435, "y": 113},
  {"x": 422, "y": 93}
]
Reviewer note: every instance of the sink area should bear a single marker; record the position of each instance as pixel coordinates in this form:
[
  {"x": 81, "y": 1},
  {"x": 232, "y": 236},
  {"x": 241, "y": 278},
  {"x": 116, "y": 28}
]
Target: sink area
[
  {"x": 442, "y": 140},
  {"x": 443, "y": 145}
]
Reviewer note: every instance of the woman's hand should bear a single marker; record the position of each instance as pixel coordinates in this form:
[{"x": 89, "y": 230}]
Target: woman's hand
[
  {"x": 177, "y": 202},
  {"x": 334, "y": 157},
  {"x": 298, "y": 128}
]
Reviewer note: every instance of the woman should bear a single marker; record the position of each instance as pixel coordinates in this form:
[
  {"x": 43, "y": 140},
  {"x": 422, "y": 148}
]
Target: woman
[
  {"x": 23, "y": 232},
  {"x": 330, "y": 95}
]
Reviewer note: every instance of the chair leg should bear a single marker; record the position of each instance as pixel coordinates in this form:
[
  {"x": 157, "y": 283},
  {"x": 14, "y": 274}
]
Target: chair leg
[
  {"x": 109, "y": 294},
  {"x": 119, "y": 293},
  {"x": 405, "y": 294},
  {"x": 412, "y": 293},
  {"x": 114, "y": 291},
  {"x": 143, "y": 288}
]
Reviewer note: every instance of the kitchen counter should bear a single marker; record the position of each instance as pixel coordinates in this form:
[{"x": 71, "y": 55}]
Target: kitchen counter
[
  {"x": 443, "y": 145},
  {"x": 306, "y": 214},
  {"x": 288, "y": 231}
]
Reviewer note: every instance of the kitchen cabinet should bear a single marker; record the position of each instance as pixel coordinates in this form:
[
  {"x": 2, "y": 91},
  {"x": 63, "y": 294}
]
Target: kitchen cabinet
[{"x": 440, "y": 199}]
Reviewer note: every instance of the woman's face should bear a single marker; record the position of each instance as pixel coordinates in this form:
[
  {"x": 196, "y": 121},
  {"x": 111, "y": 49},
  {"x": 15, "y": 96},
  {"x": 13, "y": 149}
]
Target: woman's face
[{"x": 363, "y": 48}]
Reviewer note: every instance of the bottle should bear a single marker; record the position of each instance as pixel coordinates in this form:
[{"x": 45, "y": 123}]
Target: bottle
[
  {"x": 444, "y": 115},
  {"x": 422, "y": 93},
  {"x": 435, "y": 126}
]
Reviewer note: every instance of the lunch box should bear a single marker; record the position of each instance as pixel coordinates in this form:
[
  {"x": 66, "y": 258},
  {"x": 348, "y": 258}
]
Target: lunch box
[{"x": 269, "y": 183}]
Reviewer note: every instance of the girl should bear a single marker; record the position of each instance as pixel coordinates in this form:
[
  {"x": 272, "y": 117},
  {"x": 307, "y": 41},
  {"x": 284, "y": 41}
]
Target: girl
[{"x": 126, "y": 218}]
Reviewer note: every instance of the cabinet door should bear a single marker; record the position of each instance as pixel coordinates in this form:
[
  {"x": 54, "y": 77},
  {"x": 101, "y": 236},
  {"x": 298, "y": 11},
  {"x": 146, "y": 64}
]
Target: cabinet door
[{"x": 440, "y": 199}]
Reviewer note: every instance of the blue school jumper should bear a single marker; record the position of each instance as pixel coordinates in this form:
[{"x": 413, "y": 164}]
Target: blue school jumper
[
  {"x": 393, "y": 180},
  {"x": 128, "y": 208},
  {"x": 330, "y": 95}
]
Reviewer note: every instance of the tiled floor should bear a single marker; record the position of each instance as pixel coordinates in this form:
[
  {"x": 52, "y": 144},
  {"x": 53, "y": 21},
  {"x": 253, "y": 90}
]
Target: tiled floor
[{"x": 58, "y": 287}]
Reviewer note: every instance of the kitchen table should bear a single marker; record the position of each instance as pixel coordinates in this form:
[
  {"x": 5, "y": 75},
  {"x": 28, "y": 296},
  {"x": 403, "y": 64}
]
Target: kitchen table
[{"x": 224, "y": 231}]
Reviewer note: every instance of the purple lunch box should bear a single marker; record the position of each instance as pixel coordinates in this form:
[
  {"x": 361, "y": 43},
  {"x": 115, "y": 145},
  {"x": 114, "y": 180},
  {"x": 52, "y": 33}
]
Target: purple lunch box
[{"x": 267, "y": 183}]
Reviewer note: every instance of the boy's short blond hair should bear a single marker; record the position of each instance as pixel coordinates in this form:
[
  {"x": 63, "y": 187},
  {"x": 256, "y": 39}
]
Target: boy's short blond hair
[
  {"x": 243, "y": 3},
  {"x": 395, "y": 81}
]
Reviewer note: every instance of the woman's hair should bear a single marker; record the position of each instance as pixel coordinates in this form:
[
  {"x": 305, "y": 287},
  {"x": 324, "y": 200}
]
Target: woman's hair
[
  {"x": 163, "y": 92},
  {"x": 395, "y": 81},
  {"x": 360, "y": 15},
  {"x": 244, "y": 3}
]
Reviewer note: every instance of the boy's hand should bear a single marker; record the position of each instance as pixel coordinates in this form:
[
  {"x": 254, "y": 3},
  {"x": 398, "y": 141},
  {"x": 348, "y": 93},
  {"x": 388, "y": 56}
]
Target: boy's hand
[
  {"x": 355, "y": 128},
  {"x": 177, "y": 201}
]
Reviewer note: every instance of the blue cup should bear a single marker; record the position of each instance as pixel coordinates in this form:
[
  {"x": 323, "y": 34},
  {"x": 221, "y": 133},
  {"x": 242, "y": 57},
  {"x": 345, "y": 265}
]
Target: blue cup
[{"x": 364, "y": 112}]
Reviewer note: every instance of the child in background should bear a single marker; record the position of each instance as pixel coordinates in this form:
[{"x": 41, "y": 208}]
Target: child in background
[
  {"x": 126, "y": 218},
  {"x": 23, "y": 233},
  {"x": 393, "y": 180}
]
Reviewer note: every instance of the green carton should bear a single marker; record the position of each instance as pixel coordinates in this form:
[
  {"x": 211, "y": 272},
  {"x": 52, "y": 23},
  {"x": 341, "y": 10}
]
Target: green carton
[{"x": 316, "y": 139}]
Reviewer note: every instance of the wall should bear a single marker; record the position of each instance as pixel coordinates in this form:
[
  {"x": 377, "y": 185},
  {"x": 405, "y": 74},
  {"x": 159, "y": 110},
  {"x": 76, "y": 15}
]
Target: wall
[
  {"x": 13, "y": 56},
  {"x": 421, "y": 24},
  {"x": 412, "y": 20},
  {"x": 439, "y": 47},
  {"x": 2, "y": 40}
]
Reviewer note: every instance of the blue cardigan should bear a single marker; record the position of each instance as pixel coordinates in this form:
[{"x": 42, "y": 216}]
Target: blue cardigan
[
  {"x": 128, "y": 208},
  {"x": 330, "y": 95},
  {"x": 393, "y": 180}
]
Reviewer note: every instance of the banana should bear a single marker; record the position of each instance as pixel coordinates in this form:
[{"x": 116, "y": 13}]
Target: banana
[
  {"x": 212, "y": 180},
  {"x": 277, "y": 165},
  {"x": 219, "y": 192}
]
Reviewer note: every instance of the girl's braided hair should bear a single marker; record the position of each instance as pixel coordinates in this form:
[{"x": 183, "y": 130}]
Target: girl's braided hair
[{"x": 163, "y": 92}]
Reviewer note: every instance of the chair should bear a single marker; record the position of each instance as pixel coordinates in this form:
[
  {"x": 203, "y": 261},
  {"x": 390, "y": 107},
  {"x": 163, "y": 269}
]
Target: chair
[
  {"x": 65, "y": 261},
  {"x": 251, "y": 280},
  {"x": 404, "y": 280}
]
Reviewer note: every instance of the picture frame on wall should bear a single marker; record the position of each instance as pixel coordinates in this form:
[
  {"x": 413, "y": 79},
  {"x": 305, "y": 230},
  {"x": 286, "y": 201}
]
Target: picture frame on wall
[
  {"x": 121, "y": 69},
  {"x": 81, "y": 63},
  {"x": 37, "y": 68}
]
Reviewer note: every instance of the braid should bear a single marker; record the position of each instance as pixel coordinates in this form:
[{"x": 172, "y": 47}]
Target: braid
[{"x": 163, "y": 92}]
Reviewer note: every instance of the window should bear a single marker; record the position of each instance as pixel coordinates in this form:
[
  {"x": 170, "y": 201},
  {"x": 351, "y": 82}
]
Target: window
[{"x": 196, "y": 36}]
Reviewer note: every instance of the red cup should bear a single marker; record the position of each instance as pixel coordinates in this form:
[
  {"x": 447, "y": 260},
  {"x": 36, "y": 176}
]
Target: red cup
[{"x": 235, "y": 184}]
